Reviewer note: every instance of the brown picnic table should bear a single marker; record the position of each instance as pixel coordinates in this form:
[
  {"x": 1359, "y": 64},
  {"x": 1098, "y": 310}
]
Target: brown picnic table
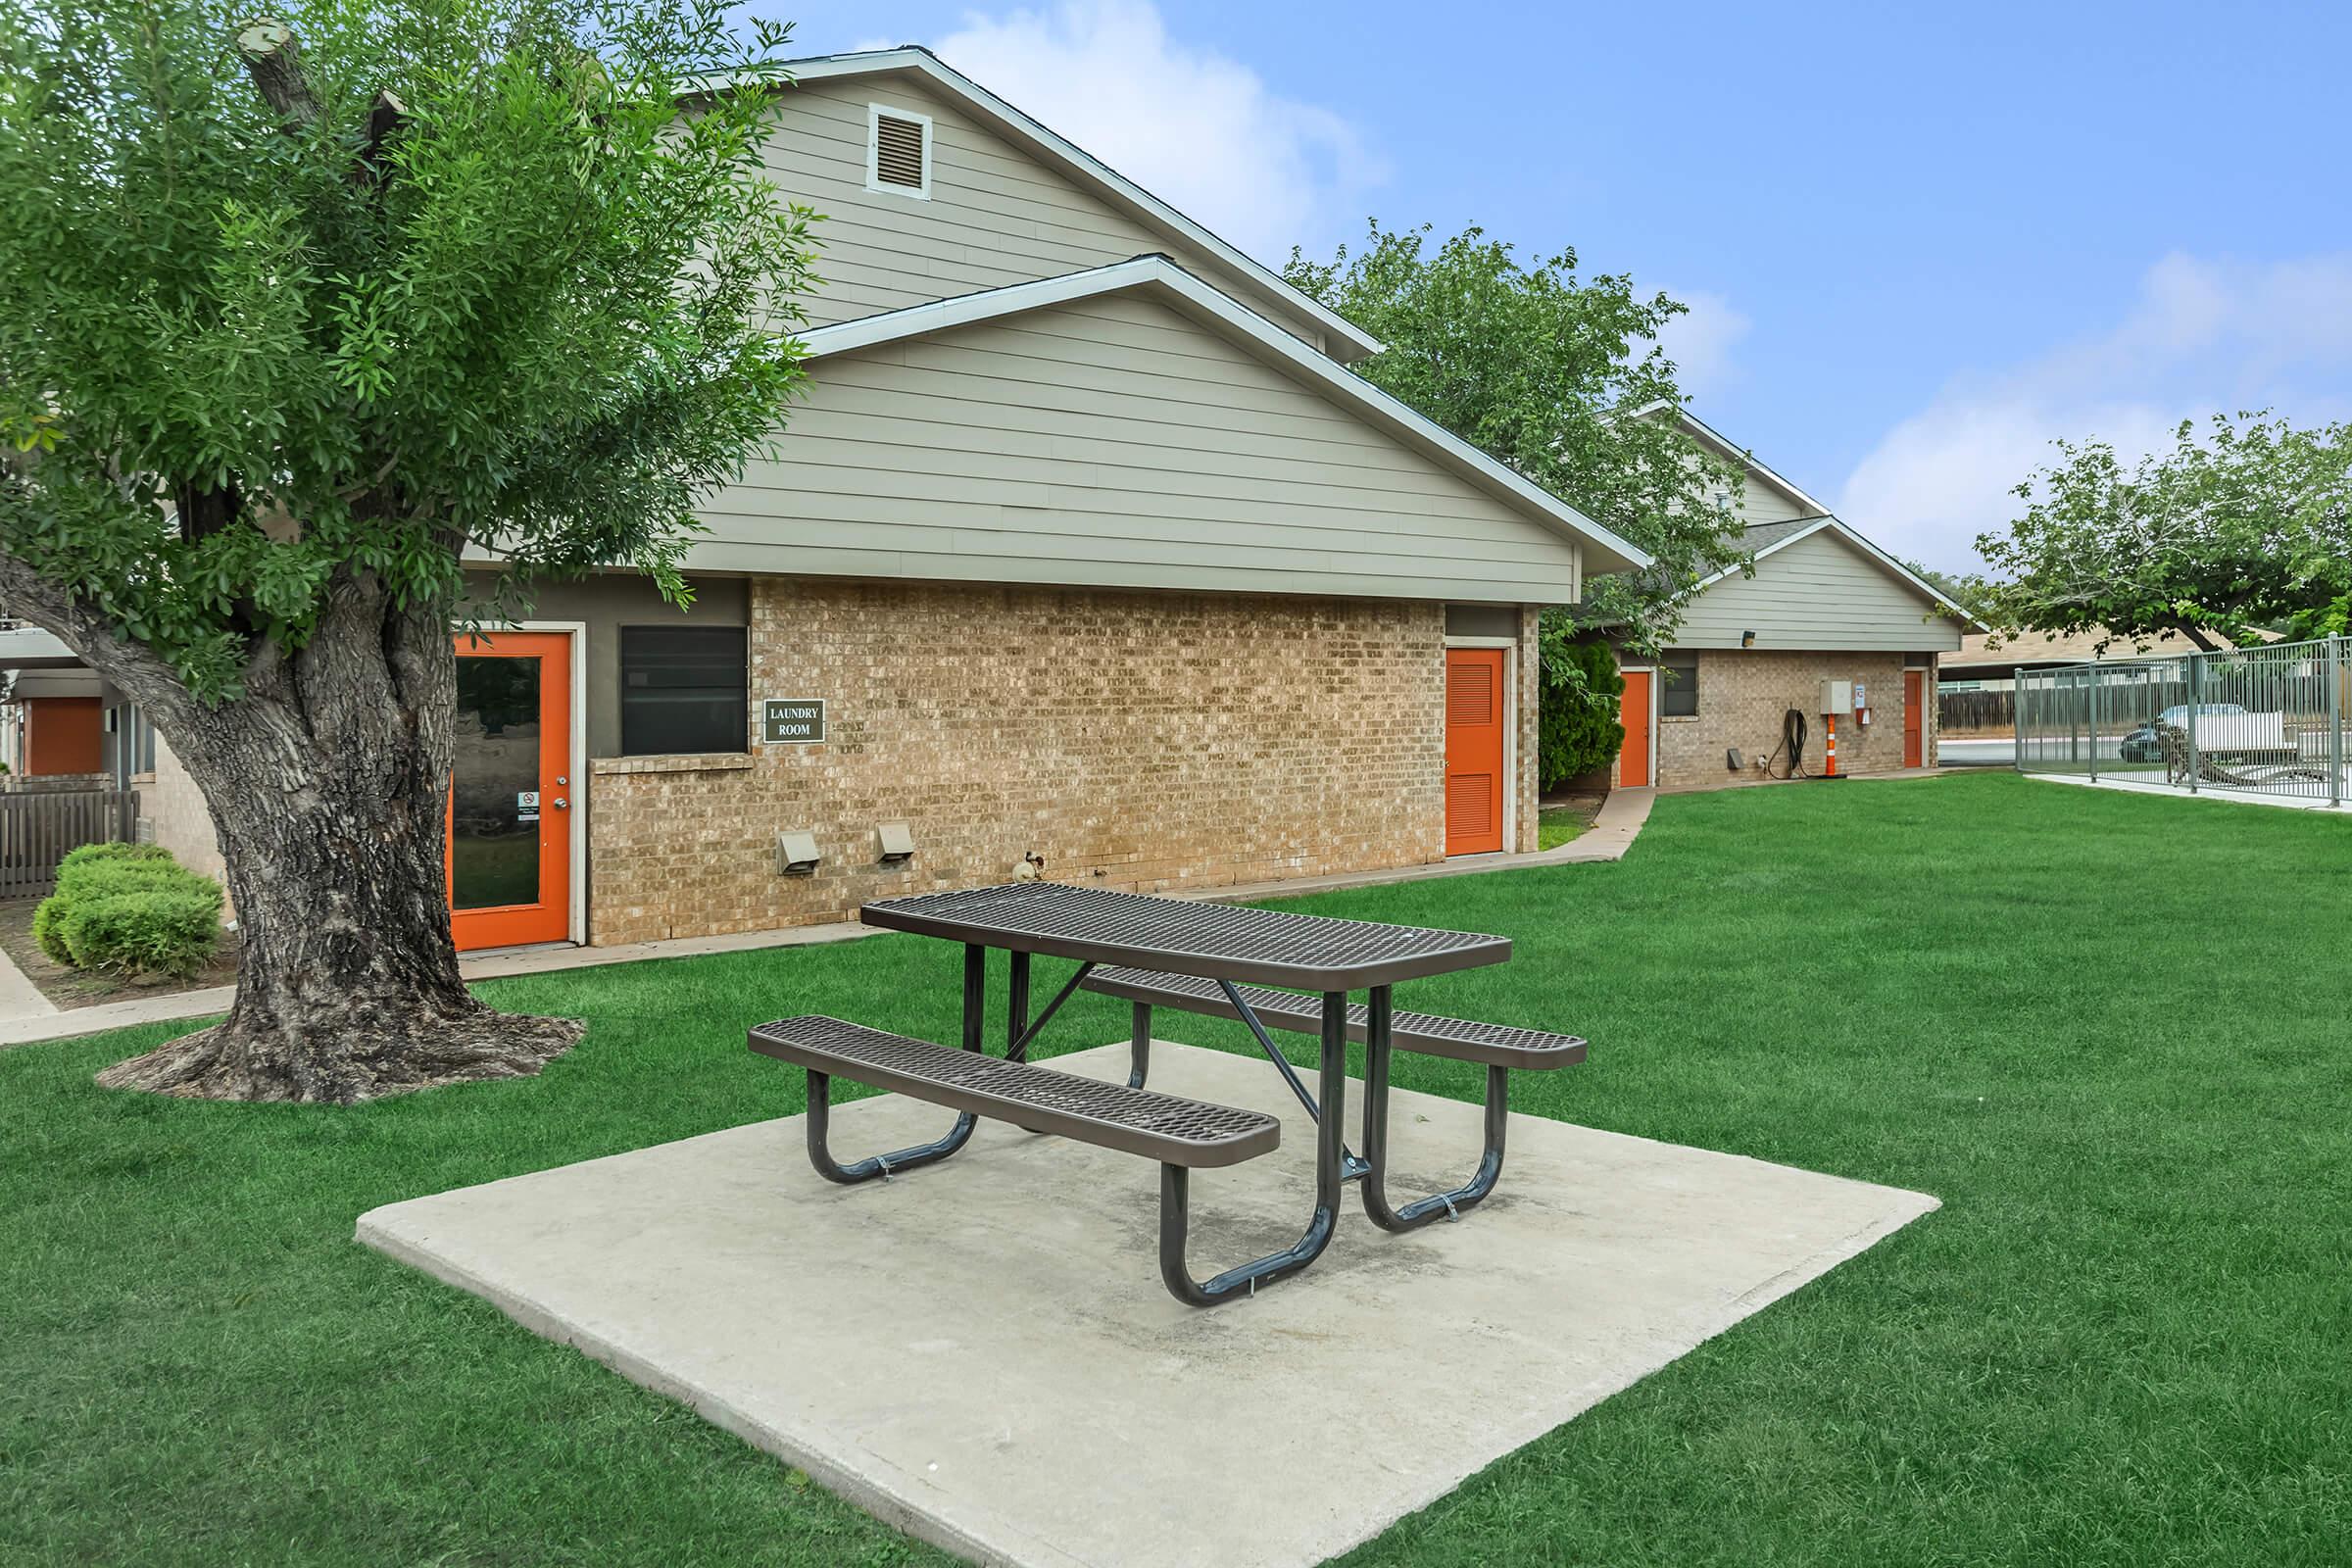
[{"x": 1270, "y": 970}]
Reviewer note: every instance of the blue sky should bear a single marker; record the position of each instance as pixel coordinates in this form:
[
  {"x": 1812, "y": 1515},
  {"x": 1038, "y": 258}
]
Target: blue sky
[{"x": 1921, "y": 242}]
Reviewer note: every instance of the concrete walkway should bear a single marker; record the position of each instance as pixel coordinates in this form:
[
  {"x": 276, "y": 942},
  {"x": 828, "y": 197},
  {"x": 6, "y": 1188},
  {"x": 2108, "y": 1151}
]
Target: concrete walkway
[
  {"x": 2204, "y": 791},
  {"x": 20, "y": 997},
  {"x": 24, "y": 1027},
  {"x": 1611, "y": 834},
  {"x": 982, "y": 1353},
  {"x": 26, "y": 1017}
]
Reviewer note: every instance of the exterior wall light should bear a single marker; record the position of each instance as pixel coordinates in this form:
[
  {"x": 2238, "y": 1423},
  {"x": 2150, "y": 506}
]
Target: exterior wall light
[
  {"x": 796, "y": 855},
  {"x": 1747, "y": 639},
  {"x": 898, "y": 843}
]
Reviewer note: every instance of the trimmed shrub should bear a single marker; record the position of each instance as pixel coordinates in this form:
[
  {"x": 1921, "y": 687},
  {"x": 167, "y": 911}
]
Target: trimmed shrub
[
  {"x": 132, "y": 908},
  {"x": 167, "y": 931},
  {"x": 120, "y": 850},
  {"x": 1578, "y": 728},
  {"x": 45, "y": 934}
]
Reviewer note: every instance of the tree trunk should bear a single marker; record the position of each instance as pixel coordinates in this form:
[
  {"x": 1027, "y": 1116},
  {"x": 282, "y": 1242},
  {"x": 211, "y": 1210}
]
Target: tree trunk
[{"x": 327, "y": 782}]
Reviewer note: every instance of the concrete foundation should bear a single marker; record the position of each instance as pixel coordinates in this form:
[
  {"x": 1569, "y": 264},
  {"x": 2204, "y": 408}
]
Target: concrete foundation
[{"x": 981, "y": 1353}]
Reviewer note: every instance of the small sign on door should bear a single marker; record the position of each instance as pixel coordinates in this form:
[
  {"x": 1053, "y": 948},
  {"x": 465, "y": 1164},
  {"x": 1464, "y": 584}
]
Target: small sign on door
[
  {"x": 526, "y": 800},
  {"x": 792, "y": 720}
]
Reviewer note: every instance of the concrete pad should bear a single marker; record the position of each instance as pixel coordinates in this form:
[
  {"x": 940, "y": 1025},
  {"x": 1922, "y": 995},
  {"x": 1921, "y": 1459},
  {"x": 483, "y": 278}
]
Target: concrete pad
[{"x": 981, "y": 1353}]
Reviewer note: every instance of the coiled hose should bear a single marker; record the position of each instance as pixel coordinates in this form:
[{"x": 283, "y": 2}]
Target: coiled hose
[{"x": 1793, "y": 726}]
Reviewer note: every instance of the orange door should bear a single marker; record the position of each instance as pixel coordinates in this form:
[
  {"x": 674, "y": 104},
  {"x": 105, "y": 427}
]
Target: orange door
[
  {"x": 61, "y": 735},
  {"x": 511, "y": 793},
  {"x": 1632, "y": 757},
  {"x": 1915, "y": 735},
  {"x": 1474, "y": 749}
]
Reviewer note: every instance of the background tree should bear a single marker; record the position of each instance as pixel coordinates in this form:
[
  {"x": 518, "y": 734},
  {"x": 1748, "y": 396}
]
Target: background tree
[
  {"x": 1576, "y": 737},
  {"x": 2248, "y": 527},
  {"x": 296, "y": 311},
  {"x": 1543, "y": 370}
]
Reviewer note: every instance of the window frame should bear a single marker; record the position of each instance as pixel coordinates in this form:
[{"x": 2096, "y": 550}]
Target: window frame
[
  {"x": 623, "y": 636},
  {"x": 1670, "y": 667},
  {"x": 874, "y": 152}
]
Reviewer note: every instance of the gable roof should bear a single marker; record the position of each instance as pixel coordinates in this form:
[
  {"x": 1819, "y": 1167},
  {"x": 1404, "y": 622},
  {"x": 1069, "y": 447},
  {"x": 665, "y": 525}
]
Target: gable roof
[
  {"x": 2077, "y": 647},
  {"x": 1604, "y": 551},
  {"x": 1699, "y": 429},
  {"x": 1766, "y": 539},
  {"x": 1344, "y": 341}
]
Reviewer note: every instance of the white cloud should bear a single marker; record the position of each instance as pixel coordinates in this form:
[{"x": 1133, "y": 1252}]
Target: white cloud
[
  {"x": 2205, "y": 336},
  {"x": 1702, "y": 340},
  {"x": 1200, "y": 132}
]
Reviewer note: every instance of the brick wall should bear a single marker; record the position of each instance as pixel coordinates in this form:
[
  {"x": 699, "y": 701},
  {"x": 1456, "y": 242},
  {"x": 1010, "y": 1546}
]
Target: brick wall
[
  {"x": 1744, "y": 694},
  {"x": 172, "y": 814},
  {"x": 1134, "y": 740}
]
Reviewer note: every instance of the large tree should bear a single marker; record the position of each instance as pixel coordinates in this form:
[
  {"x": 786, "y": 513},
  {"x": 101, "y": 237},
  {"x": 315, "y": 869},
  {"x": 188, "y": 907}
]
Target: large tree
[
  {"x": 2247, "y": 525},
  {"x": 1547, "y": 371},
  {"x": 298, "y": 310}
]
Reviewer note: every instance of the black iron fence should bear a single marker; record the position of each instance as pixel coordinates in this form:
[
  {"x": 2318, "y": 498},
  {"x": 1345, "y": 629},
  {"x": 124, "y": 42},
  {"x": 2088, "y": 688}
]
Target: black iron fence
[{"x": 2265, "y": 721}]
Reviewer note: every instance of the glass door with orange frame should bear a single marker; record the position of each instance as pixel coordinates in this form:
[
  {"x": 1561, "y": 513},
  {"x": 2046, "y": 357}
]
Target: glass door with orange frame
[{"x": 511, "y": 791}]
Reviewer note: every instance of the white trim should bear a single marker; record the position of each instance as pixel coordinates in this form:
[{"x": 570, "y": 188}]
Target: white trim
[
  {"x": 575, "y": 919},
  {"x": 1824, "y": 517},
  {"x": 1881, "y": 556},
  {"x": 1725, "y": 444},
  {"x": 874, "y": 152},
  {"x": 1089, "y": 168},
  {"x": 1509, "y": 648},
  {"x": 1204, "y": 301},
  {"x": 1652, "y": 671}
]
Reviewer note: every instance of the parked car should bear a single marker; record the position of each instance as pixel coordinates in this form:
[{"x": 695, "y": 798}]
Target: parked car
[{"x": 2142, "y": 746}]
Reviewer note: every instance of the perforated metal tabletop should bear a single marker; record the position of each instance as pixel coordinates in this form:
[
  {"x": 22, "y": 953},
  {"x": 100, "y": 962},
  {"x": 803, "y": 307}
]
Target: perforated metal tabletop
[{"x": 1179, "y": 936}]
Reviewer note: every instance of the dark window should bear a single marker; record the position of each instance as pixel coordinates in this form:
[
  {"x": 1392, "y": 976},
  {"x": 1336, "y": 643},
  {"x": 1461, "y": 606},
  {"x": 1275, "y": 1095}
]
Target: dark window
[
  {"x": 682, "y": 689},
  {"x": 1678, "y": 697}
]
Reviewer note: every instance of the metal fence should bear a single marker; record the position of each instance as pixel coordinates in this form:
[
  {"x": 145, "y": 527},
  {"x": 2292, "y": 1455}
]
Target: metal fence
[
  {"x": 39, "y": 827},
  {"x": 2267, "y": 721}
]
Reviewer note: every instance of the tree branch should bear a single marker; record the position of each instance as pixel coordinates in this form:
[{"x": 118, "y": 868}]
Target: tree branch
[
  {"x": 274, "y": 62},
  {"x": 384, "y": 116},
  {"x": 133, "y": 666}
]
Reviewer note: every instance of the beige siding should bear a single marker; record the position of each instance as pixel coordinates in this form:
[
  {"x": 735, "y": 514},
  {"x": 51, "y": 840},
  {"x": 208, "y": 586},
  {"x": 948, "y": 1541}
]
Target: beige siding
[
  {"x": 1112, "y": 442},
  {"x": 996, "y": 215},
  {"x": 1760, "y": 500},
  {"x": 1818, "y": 593}
]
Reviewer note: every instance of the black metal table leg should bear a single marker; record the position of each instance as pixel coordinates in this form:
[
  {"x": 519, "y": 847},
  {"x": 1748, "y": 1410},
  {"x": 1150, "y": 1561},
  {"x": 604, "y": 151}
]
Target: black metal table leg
[
  {"x": 1378, "y": 1046},
  {"x": 1016, "y": 1008},
  {"x": 975, "y": 995},
  {"x": 820, "y": 1109},
  {"x": 1351, "y": 1168},
  {"x": 1175, "y": 1180},
  {"x": 1139, "y": 1046},
  {"x": 820, "y": 1097}
]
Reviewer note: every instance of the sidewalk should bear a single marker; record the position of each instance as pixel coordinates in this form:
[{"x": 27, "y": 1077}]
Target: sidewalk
[
  {"x": 26, "y": 1017},
  {"x": 21, "y": 1024}
]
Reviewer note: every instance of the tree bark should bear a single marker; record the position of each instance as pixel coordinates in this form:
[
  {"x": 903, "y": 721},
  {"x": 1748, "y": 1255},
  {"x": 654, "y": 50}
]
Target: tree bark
[
  {"x": 273, "y": 60},
  {"x": 327, "y": 782}
]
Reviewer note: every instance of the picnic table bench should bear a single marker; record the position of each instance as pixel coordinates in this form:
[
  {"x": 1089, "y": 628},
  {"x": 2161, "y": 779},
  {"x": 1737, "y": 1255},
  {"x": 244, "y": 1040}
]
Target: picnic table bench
[{"x": 1199, "y": 957}]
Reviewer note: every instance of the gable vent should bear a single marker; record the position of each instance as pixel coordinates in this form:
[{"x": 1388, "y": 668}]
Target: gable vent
[{"x": 901, "y": 150}]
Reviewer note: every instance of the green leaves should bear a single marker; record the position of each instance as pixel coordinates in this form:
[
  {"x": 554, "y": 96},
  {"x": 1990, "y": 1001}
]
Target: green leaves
[
  {"x": 543, "y": 311},
  {"x": 2245, "y": 525}
]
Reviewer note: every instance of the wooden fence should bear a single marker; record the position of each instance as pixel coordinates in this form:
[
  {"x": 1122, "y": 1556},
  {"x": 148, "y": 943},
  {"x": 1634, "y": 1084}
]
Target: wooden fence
[{"x": 37, "y": 827}]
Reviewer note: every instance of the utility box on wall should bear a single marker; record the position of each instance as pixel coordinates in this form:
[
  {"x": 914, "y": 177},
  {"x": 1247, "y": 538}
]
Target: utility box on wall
[{"x": 1837, "y": 698}]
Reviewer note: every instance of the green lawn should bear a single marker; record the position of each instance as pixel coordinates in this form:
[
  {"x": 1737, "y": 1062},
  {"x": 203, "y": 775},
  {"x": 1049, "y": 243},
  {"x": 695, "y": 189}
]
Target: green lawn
[
  {"x": 2109, "y": 1031},
  {"x": 1556, "y": 825}
]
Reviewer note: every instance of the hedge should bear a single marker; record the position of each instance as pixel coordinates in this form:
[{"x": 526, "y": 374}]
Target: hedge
[
  {"x": 132, "y": 909},
  {"x": 1579, "y": 729}
]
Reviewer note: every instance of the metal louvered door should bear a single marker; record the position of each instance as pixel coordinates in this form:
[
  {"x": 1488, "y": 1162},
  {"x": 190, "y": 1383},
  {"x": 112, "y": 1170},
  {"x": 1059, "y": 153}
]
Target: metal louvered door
[{"x": 1474, "y": 749}]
